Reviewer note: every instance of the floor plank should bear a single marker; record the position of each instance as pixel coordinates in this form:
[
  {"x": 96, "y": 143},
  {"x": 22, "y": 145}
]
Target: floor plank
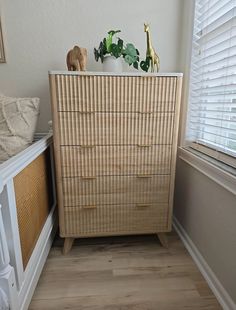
[{"x": 122, "y": 273}]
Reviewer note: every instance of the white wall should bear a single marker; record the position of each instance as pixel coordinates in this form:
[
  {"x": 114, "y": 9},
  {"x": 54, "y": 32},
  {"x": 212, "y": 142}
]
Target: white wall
[{"x": 38, "y": 35}]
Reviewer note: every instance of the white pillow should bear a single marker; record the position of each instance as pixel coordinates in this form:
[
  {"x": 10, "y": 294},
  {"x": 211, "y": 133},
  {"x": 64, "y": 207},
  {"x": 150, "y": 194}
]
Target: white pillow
[{"x": 18, "y": 120}]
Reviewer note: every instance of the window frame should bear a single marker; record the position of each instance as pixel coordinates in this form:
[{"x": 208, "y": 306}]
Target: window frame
[{"x": 205, "y": 149}]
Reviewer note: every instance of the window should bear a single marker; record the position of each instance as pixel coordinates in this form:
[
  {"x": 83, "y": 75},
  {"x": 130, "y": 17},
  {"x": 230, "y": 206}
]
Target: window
[{"x": 211, "y": 125}]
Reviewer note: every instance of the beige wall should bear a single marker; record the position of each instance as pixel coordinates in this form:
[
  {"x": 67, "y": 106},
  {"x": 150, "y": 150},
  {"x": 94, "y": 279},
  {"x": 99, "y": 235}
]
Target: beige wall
[
  {"x": 205, "y": 210},
  {"x": 39, "y": 33}
]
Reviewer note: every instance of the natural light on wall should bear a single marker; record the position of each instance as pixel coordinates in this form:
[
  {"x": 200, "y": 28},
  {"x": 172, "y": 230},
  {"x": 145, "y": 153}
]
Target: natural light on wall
[{"x": 212, "y": 101}]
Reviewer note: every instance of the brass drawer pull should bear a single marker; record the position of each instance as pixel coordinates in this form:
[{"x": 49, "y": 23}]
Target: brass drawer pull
[
  {"x": 144, "y": 176},
  {"x": 140, "y": 205},
  {"x": 86, "y": 112},
  {"x": 88, "y": 177},
  {"x": 145, "y": 112},
  {"x": 144, "y": 145},
  {"x": 89, "y": 207},
  {"x": 87, "y": 146}
]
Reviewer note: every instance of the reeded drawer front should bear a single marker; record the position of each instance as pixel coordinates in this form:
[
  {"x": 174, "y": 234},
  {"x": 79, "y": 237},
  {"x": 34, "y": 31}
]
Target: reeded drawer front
[
  {"x": 140, "y": 189},
  {"x": 115, "y": 160},
  {"x": 115, "y": 128},
  {"x": 116, "y": 219},
  {"x": 115, "y": 140},
  {"x": 115, "y": 94}
]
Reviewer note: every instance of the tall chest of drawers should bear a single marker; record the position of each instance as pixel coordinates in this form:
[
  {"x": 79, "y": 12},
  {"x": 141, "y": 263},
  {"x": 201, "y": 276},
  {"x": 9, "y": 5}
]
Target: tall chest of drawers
[{"x": 115, "y": 142}]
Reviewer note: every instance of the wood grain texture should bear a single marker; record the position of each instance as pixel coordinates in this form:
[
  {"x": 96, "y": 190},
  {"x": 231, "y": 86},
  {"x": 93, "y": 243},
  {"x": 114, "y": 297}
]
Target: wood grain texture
[
  {"x": 56, "y": 146},
  {"x": 163, "y": 239},
  {"x": 91, "y": 93},
  {"x": 93, "y": 220},
  {"x": 68, "y": 242},
  {"x": 122, "y": 273},
  {"x": 115, "y": 128},
  {"x": 116, "y": 141},
  {"x": 174, "y": 151},
  {"x": 143, "y": 188},
  {"x": 115, "y": 160}
]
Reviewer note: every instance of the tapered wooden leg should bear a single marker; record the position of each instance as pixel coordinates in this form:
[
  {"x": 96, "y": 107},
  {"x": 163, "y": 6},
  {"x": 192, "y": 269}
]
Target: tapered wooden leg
[
  {"x": 163, "y": 239},
  {"x": 68, "y": 242}
]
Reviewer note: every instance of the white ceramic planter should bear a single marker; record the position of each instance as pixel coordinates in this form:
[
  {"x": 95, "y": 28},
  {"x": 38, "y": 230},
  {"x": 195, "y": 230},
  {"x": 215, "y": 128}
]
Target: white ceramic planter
[{"x": 112, "y": 64}]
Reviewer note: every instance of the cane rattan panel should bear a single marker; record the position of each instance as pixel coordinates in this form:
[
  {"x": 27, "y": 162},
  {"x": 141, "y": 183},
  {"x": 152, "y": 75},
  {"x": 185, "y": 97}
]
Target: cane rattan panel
[
  {"x": 115, "y": 140},
  {"x": 33, "y": 190}
]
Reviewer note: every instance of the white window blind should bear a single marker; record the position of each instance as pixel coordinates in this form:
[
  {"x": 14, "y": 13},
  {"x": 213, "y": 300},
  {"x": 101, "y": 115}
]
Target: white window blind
[{"x": 212, "y": 102}]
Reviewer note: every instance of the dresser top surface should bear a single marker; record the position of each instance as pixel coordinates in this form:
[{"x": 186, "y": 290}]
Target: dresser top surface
[{"x": 141, "y": 74}]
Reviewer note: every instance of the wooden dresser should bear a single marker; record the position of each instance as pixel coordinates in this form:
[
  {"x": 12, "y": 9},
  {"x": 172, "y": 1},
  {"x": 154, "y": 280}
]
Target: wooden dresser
[{"x": 115, "y": 141}]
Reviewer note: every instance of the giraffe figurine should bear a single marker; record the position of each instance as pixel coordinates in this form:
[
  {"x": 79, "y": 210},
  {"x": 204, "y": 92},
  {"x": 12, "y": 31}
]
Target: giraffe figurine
[{"x": 155, "y": 60}]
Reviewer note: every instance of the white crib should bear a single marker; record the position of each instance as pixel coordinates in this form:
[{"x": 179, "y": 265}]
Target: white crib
[{"x": 23, "y": 253}]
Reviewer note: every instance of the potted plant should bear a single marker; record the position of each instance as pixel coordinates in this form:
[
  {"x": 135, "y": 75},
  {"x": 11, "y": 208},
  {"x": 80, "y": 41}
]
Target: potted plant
[{"x": 111, "y": 53}]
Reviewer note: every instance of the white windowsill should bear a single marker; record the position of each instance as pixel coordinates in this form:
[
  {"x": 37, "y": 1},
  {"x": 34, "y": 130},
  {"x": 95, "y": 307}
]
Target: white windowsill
[{"x": 217, "y": 173}]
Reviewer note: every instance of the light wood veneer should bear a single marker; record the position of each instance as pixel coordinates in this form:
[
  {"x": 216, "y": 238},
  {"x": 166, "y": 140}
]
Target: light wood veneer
[
  {"x": 123, "y": 273},
  {"x": 115, "y": 140}
]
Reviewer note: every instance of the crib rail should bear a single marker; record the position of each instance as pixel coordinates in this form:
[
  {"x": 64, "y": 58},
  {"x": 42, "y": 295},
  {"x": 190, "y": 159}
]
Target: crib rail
[{"x": 21, "y": 265}]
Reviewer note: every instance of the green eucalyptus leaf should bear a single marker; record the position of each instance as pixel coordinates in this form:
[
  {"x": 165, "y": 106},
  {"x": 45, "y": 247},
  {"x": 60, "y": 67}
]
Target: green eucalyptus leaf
[
  {"x": 130, "y": 50},
  {"x": 102, "y": 47},
  {"x": 144, "y": 65},
  {"x": 102, "y": 57},
  {"x": 96, "y": 54},
  {"x": 135, "y": 64},
  {"x": 104, "y": 42},
  {"x": 148, "y": 61},
  {"x": 109, "y": 39},
  {"x": 112, "y": 32},
  {"x": 115, "y": 50},
  {"x": 129, "y": 59},
  {"x": 109, "y": 42},
  {"x": 120, "y": 43}
]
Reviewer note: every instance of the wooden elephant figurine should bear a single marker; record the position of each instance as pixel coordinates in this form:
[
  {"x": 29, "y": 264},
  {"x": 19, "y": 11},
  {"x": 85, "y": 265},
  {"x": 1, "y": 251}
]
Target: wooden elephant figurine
[{"x": 76, "y": 59}]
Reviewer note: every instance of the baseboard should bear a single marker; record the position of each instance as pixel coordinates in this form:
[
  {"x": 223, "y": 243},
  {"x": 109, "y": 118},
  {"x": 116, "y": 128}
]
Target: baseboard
[{"x": 217, "y": 288}]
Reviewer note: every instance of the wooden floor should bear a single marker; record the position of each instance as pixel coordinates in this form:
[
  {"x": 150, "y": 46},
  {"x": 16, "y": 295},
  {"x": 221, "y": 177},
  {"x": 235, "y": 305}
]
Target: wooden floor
[{"x": 122, "y": 273}]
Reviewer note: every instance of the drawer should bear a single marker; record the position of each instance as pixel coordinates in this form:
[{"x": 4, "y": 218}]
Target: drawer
[
  {"x": 116, "y": 190},
  {"x": 116, "y": 94},
  {"x": 115, "y": 128},
  {"x": 116, "y": 220},
  {"x": 115, "y": 160}
]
